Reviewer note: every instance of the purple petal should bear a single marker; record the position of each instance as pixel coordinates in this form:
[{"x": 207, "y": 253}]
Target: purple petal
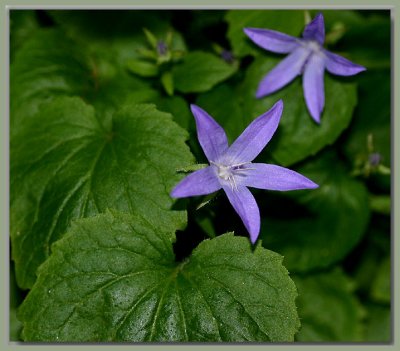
[
  {"x": 288, "y": 69},
  {"x": 254, "y": 138},
  {"x": 272, "y": 177},
  {"x": 340, "y": 66},
  {"x": 313, "y": 86},
  {"x": 212, "y": 137},
  {"x": 272, "y": 40},
  {"x": 201, "y": 182},
  {"x": 315, "y": 30},
  {"x": 246, "y": 207}
]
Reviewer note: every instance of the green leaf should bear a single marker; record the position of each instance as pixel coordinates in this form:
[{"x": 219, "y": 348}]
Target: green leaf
[
  {"x": 167, "y": 82},
  {"x": 381, "y": 285},
  {"x": 66, "y": 165},
  {"x": 114, "y": 278},
  {"x": 318, "y": 227},
  {"x": 23, "y": 24},
  {"x": 47, "y": 66},
  {"x": 289, "y": 22},
  {"x": 328, "y": 308},
  {"x": 200, "y": 71},
  {"x": 298, "y": 136},
  {"x": 152, "y": 40},
  {"x": 142, "y": 68}
]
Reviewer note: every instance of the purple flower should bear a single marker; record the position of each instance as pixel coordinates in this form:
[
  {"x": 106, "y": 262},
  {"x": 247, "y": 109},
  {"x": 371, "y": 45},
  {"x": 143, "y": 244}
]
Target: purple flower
[
  {"x": 231, "y": 167},
  {"x": 306, "y": 56}
]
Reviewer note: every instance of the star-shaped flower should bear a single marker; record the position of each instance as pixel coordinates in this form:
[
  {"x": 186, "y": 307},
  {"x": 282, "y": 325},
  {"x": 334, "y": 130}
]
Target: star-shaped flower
[
  {"x": 231, "y": 167},
  {"x": 306, "y": 56}
]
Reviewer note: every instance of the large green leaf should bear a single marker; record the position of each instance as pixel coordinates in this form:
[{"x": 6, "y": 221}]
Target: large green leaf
[
  {"x": 65, "y": 165},
  {"x": 114, "y": 278},
  {"x": 200, "y": 71},
  {"x": 46, "y": 66},
  {"x": 286, "y": 21},
  {"x": 326, "y": 223},
  {"x": 328, "y": 309},
  {"x": 298, "y": 136}
]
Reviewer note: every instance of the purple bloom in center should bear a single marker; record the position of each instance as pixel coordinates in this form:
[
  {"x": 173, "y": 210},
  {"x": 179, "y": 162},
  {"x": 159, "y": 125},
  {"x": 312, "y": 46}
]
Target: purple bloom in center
[
  {"x": 307, "y": 57},
  {"x": 231, "y": 167}
]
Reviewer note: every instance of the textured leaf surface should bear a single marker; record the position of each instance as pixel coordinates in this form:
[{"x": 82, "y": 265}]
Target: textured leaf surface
[
  {"x": 289, "y": 22},
  {"x": 114, "y": 278},
  {"x": 332, "y": 219},
  {"x": 298, "y": 136},
  {"x": 46, "y": 66},
  {"x": 200, "y": 71},
  {"x": 66, "y": 165},
  {"x": 328, "y": 309}
]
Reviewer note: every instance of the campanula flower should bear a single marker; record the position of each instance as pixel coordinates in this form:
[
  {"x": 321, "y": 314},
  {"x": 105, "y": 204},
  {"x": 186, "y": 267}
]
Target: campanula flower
[
  {"x": 307, "y": 57},
  {"x": 231, "y": 167}
]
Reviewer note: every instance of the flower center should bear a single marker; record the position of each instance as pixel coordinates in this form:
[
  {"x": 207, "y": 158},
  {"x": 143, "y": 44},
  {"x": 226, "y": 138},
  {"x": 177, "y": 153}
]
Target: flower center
[
  {"x": 228, "y": 174},
  {"x": 313, "y": 46},
  {"x": 224, "y": 172}
]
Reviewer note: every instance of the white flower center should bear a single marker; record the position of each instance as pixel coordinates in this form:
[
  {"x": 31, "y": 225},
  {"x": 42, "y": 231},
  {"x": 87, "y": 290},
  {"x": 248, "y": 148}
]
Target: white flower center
[
  {"x": 313, "y": 46},
  {"x": 229, "y": 174},
  {"x": 224, "y": 172}
]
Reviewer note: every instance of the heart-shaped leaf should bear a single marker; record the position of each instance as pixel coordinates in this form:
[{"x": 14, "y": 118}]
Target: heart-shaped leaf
[
  {"x": 114, "y": 277},
  {"x": 65, "y": 165}
]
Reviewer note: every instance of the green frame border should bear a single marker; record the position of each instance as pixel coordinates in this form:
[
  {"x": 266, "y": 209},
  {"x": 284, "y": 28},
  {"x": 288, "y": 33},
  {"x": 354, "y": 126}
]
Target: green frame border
[{"x": 392, "y": 5}]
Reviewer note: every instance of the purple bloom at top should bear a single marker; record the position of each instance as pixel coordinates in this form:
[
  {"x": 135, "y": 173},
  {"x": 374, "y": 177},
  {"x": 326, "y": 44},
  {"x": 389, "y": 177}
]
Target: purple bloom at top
[
  {"x": 307, "y": 57},
  {"x": 231, "y": 167}
]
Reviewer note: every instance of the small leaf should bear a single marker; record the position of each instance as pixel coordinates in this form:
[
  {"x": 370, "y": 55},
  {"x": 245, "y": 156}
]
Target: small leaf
[
  {"x": 328, "y": 308},
  {"x": 142, "y": 68},
  {"x": 150, "y": 38},
  {"x": 66, "y": 165},
  {"x": 113, "y": 277},
  {"x": 200, "y": 71},
  {"x": 167, "y": 80}
]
